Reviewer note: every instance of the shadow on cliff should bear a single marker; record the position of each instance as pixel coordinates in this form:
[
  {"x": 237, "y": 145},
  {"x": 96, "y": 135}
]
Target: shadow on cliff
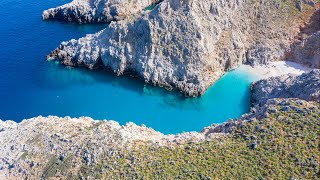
[
  {"x": 312, "y": 26},
  {"x": 304, "y": 49},
  {"x": 55, "y": 76},
  {"x": 72, "y": 26}
]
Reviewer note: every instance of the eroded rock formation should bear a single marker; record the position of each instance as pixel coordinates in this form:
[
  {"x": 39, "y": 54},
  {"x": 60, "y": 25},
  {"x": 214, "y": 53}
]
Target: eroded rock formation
[
  {"x": 96, "y": 11},
  {"x": 187, "y": 44},
  {"x": 306, "y": 48},
  {"x": 305, "y": 86}
]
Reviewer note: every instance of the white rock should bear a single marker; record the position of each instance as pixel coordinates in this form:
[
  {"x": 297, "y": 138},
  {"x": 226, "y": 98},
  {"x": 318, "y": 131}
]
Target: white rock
[
  {"x": 96, "y": 11},
  {"x": 184, "y": 44}
]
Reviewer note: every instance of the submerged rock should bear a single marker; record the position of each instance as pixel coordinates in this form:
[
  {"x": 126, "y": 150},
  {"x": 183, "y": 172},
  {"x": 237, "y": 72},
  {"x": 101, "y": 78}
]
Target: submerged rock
[
  {"x": 186, "y": 44},
  {"x": 96, "y": 11},
  {"x": 305, "y": 86}
]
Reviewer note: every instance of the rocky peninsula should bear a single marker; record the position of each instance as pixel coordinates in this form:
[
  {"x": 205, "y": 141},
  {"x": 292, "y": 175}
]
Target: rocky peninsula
[
  {"x": 96, "y": 11},
  {"x": 188, "y": 45}
]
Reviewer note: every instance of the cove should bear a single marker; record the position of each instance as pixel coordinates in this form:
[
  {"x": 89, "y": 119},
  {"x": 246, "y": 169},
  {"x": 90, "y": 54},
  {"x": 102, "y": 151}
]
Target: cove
[{"x": 31, "y": 86}]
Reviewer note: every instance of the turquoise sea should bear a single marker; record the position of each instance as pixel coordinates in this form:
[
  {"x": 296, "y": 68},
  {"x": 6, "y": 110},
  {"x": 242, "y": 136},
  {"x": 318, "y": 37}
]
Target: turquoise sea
[{"x": 31, "y": 86}]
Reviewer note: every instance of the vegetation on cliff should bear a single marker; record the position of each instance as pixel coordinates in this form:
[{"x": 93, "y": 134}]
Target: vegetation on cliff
[{"x": 282, "y": 145}]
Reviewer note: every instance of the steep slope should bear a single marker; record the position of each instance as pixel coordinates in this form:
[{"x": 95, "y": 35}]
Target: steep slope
[
  {"x": 305, "y": 86},
  {"x": 188, "y": 44},
  {"x": 306, "y": 48}
]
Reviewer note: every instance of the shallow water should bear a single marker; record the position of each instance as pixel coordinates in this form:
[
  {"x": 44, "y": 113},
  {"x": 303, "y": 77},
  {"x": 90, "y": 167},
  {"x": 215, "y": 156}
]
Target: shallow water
[{"x": 31, "y": 86}]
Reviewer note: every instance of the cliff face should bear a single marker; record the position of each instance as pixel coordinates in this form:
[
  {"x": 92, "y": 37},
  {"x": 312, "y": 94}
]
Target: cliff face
[
  {"x": 306, "y": 48},
  {"x": 187, "y": 44},
  {"x": 305, "y": 86},
  {"x": 307, "y": 51},
  {"x": 281, "y": 133},
  {"x": 96, "y": 11}
]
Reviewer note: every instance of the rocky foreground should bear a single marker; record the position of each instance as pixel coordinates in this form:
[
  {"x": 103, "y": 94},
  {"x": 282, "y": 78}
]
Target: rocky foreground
[
  {"x": 277, "y": 140},
  {"x": 189, "y": 44},
  {"x": 305, "y": 86}
]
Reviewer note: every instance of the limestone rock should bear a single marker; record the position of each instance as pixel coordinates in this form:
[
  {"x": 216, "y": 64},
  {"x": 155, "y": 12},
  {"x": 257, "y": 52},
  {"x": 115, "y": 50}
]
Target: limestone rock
[
  {"x": 305, "y": 86},
  {"x": 307, "y": 51},
  {"x": 96, "y": 11},
  {"x": 306, "y": 47},
  {"x": 186, "y": 44}
]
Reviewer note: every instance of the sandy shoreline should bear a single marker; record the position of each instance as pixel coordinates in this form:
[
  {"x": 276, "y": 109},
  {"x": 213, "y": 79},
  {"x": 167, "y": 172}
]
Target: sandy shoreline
[{"x": 274, "y": 69}]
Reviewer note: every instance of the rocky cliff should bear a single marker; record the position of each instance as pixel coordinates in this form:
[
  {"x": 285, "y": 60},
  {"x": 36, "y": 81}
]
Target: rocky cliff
[
  {"x": 305, "y": 86},
  {"x": 96, "y": 11},
  {"x": 188, "y": 44},
  {"x": 306, "y": 48},
  {"x": 307, "y": 51}
]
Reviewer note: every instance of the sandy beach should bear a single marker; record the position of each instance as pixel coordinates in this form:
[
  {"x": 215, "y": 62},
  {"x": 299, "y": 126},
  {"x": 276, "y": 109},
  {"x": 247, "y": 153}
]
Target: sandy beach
[{"x": 274, "y": 69}]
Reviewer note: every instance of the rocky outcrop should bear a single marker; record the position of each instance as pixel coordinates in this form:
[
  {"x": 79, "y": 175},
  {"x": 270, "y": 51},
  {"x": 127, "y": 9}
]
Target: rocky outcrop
[
  {"x": 306, "y": 48},
  {"x": 96, "y": 11},
  {"x": 45, "y": 147},
  {"x": 305, "y": 86},
  {"x": 36, "y": 141},
  {"x": 187, "y": 44},
  {"x": 307, "y": 51}
]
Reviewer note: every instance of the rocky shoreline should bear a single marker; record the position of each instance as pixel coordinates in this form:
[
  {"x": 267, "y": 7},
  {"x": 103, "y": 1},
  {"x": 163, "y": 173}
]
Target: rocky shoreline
[
  {"x": 188, "y": 45},
  {"x": 96, "y": 11},
  {"x": 28, "y": 148},
  {"x": 305, "y": 86}
]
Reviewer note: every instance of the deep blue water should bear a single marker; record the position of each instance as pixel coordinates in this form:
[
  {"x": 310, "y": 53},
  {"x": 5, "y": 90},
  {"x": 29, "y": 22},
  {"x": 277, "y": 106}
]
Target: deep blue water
[{"x": 31, "y": 86}]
